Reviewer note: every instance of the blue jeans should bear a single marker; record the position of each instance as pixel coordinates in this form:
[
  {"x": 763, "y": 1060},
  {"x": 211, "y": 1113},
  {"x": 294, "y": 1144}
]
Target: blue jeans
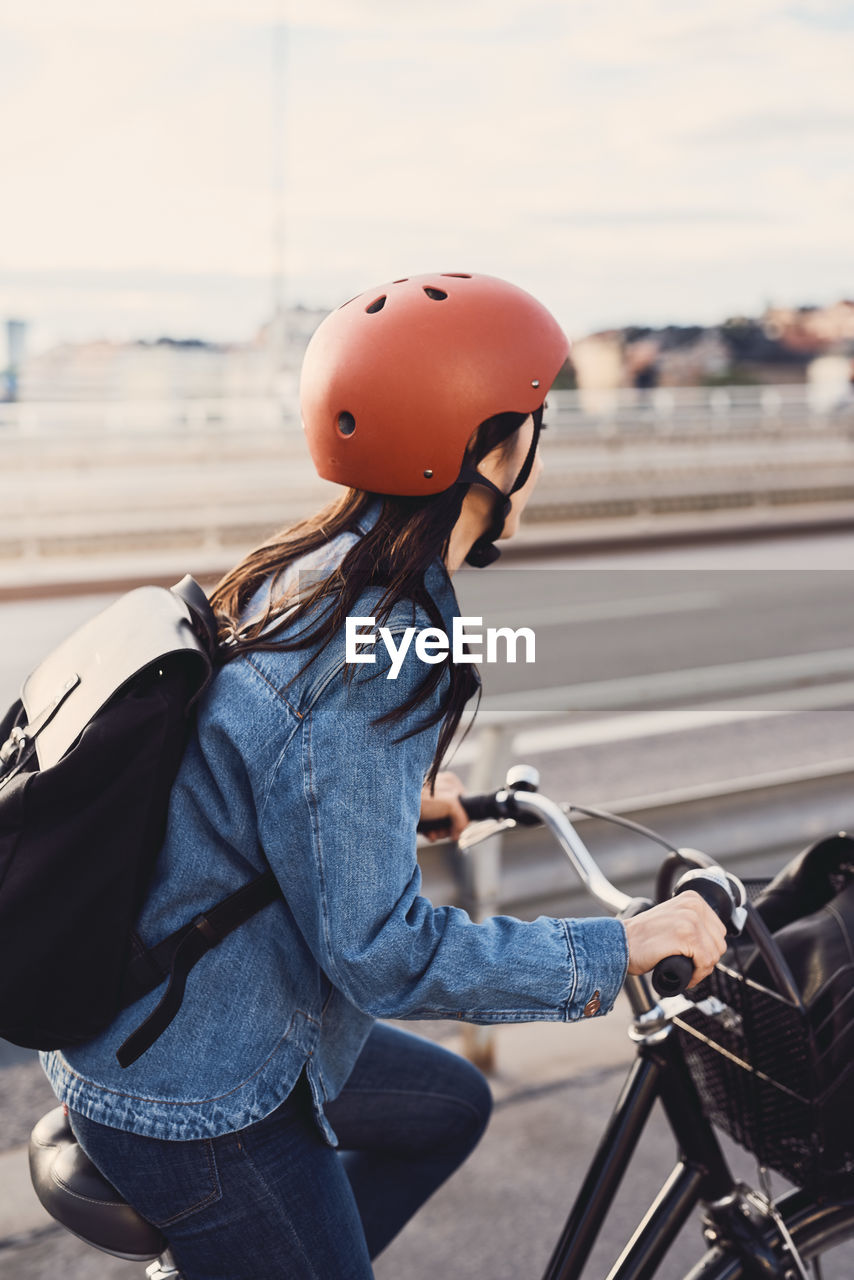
[{"x": 274, "y": 1200}]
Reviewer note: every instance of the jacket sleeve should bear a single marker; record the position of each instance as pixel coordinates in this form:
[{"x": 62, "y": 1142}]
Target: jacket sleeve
[{"x": 338, "y": 826}]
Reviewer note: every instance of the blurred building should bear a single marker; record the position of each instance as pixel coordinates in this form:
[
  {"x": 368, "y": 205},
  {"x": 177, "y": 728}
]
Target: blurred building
[
  {"x": 812, "y": 330},
  {"x": 174, "y": 369},
  {"x": 600, "y": 370},
  {"x": 643, "y": 358},
  {"x": 685, "y": 357},
  {"x": 779, "y": 347},
  {"x": 776, "y": 348},
  {"x": 829, "y": 382}
]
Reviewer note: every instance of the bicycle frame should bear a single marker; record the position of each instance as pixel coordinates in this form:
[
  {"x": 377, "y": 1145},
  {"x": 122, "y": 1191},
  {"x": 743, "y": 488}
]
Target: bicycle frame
[
  {"x": 741, "y": 1228},
  {"x": 660, "y": 1073},
  {"x": 701, "y": 1174}
]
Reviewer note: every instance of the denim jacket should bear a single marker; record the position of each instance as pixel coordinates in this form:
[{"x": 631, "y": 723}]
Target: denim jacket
[{"x": 291, "y": 773}]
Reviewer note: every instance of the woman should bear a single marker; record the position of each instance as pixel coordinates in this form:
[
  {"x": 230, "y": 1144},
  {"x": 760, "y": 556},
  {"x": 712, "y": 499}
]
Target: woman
[{"x": 425, "y": 399}]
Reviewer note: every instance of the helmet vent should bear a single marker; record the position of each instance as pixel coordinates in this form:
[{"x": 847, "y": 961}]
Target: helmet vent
[
  {"x": 403, "y": 280},
  {"x": 456, "y": 275},
  {"x": 438, "y": 295},
  {"x": 346, "y": 422},
  {"x": 376, "y": 305}
]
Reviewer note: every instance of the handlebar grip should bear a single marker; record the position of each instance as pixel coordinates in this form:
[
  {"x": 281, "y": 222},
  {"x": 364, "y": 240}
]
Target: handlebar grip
[
  {"x": 672, "y": 975},
  {"x": 478, "y": 808}
]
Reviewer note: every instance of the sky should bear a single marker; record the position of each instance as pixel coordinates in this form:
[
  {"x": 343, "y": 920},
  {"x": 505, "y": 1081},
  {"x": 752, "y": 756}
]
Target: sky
[{"x": 627, "y": 161}]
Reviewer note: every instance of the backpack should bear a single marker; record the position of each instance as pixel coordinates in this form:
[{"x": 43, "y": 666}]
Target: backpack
[
  {"x": 88, "y": 755},
  {"x": 809, "y": 908},
  {"x": 772, "y": 1052},
  {"x": 793, "y": 1107}
]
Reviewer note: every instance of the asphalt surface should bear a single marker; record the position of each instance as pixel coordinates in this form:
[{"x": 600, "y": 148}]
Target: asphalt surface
[
  {"x": 501, "y": 1213},
  {"x": 647, "y": 612},
  {"x": 653, "y": 670},
  {"x": 597, "y": 615}
]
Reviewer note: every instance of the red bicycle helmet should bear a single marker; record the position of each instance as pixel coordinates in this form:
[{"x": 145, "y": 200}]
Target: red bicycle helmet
[{"x": 396, "y": 380}]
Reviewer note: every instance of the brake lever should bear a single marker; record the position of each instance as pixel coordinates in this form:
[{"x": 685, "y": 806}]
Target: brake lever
[{"x": 476, "y": 832}]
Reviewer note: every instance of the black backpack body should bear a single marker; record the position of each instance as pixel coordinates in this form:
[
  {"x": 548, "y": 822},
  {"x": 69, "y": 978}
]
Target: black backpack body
[
  {"x": 88, "y": 756},
  {"x": 809, "y": 907}
]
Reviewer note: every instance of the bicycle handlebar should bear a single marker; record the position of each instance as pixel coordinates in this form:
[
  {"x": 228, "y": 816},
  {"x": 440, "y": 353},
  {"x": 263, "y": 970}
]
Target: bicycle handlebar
[
  {"x": 491, "y": 805},
  {"x": 481, "y": 807},
  {"x": 726, "y": 896},
  {"x": 527, "y": 807},
  {"x": 520, "y": 802},
  {"x": 478, "y": 809}
]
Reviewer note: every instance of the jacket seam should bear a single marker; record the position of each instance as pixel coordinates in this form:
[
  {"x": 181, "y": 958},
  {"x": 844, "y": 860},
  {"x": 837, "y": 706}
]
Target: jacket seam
[
  {"x": 543, "y": 1014},
  {"x": 322, "y": 1082},
  {"x": 573, "y": 960},
  {"x": 278, "y": 693},
  {"x": 329, "y": 995},
  {"x": 274, "y": 772},
  {"x": 192, "y": 1102},
  {"x": 340, "y": 663},
  {"x": 316, "y": 841}
]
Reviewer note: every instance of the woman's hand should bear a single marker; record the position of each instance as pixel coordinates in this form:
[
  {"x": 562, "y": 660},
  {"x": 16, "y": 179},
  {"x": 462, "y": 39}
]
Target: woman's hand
[
  {"x": 684, "y": 925},
  {"x": 444, "y": 803}
]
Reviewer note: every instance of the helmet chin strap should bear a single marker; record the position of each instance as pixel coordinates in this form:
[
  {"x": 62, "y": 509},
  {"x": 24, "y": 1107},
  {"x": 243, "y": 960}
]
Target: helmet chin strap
[{"x": 484, "y": 551}]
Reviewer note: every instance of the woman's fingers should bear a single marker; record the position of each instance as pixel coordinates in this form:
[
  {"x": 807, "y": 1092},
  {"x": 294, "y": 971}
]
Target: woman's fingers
[
  {"x": 685, "y": 925},
  {"x": 709, "y": 936},
  {"x": 443, "y": 804}
]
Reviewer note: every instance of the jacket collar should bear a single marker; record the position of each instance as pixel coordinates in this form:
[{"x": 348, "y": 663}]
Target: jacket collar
[{"x": 437, "y": 580}]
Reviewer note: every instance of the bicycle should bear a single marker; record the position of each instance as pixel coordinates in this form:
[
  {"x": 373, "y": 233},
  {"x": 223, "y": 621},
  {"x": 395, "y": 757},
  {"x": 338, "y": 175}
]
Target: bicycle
[{"x": 713, "y": 1057}]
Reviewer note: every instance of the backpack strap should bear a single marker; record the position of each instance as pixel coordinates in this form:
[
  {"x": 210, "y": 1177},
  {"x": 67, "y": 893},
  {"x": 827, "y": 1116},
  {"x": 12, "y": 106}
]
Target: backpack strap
[
  {"x": 202, "y": 616},
  {"x": 175, "y": 956}
]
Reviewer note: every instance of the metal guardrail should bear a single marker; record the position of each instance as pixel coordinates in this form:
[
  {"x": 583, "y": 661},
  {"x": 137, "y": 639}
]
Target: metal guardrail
[
  {"x": 126, "y": 476},
  {"x": 591, "y": 413},
  {"x": 750, "y": 824},
  {"x": 778, "y": 808},
  {"x": 668, "y": 411}
]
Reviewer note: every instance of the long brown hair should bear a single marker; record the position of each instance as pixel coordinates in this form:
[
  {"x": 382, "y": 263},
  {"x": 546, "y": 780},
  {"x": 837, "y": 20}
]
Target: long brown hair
[{"x": 395, "y": 554}]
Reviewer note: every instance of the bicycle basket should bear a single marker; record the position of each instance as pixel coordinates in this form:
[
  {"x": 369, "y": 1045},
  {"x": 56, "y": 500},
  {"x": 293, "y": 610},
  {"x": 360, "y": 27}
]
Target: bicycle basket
[{"x": 768, "y": 1071}]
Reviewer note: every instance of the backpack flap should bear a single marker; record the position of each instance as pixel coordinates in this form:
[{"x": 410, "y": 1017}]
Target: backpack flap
[
  {"x": 86, "y": 770},
  {"x": 68, "y": 689},
  {"x": 808, "y": 882},
  {"x": 809, "y": 906}
]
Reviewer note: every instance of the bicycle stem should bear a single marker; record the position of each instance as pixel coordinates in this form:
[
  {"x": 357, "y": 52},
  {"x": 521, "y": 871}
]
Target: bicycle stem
[
  {"x": 637, "y": 987},
  {"x": 573, "y": 846}
]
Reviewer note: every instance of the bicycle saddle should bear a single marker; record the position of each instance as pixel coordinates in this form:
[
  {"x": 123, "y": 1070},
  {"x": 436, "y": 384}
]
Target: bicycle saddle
[{"x": 78, "y": 1196}]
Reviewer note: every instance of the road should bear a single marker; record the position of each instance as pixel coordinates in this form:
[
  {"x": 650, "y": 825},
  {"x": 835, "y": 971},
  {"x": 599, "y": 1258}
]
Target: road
[
  {"x": 601, "y": 615},
  {"x": 500, "y": 1215},
  {"x": 629, "y": 617},
  {"x": 653, "y": 669},
  {"x": 144, "y": 481}
]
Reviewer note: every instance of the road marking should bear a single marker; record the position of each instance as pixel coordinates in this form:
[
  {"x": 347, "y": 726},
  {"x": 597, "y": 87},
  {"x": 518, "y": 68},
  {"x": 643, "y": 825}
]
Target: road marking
[
  {"x": 649, "y": 724},
  {"x": 687, "y": 684},
  {"x": 602, "y": 610}
]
